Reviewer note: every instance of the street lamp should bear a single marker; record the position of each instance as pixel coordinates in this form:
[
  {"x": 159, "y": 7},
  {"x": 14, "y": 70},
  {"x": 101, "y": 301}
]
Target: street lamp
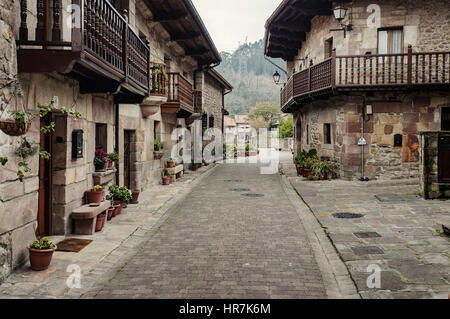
[
  {"x": 276, "y": 77},
  {"x": 339, "y": 14}
]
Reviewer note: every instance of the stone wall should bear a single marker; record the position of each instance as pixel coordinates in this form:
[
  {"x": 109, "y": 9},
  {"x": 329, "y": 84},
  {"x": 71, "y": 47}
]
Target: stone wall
[
  {"x": 431, "y": 187},
  {"x": 405, "y": 115},
  {"x": 426, "y": 26},
  {"x": 212, "y": 101}
]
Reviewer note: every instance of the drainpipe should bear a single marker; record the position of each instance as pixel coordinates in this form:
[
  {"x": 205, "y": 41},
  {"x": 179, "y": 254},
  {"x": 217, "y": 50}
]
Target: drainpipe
[
  {"x": 363, "y": 119},
  {"x": 116, "y": 146}
]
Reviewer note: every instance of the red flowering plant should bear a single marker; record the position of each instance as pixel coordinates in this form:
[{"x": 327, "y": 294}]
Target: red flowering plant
[{"x": 100, "y": 158}]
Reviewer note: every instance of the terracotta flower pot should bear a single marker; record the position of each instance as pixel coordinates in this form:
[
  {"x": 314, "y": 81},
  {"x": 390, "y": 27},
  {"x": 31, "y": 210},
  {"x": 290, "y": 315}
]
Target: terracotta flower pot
[
  {"x": 111, "y": 212},
  {"x": 119, "y": 207},
  {"x": 40, "y": 259},
  {"x": 170, "y": 164},
  {"x": 100, "y": 222},
  {"x": 94, "y": 196},
  {"x": 135, "y": 194},
  {"x": 166, "y": 180},
  {"x": 307, "y": 172}
]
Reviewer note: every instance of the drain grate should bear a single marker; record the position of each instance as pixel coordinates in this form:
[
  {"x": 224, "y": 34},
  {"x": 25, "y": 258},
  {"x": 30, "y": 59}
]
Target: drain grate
[
  {"x": 347, "y": 215},
  {"x": 367, "y": 250},
  {"x": 232, "y": 181},
  {"x": 252, "y": 195},
  {"x": 398, "y": 198},
  {"x": 367, "y": 235},
  {"x": 240, "y": 189}
]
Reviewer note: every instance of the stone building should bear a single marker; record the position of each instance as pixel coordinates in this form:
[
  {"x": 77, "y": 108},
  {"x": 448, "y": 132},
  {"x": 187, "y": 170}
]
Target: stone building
[
  {"x": 146, "y": 73},
  {"x": 362, "y": 88}
]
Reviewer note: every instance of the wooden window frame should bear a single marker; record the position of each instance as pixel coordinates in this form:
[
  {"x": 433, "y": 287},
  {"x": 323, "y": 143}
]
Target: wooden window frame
[
  {"x": 329, "y": 135},
  {"x": 390, "y": 31},
  {"x": 329, "y": 46}
]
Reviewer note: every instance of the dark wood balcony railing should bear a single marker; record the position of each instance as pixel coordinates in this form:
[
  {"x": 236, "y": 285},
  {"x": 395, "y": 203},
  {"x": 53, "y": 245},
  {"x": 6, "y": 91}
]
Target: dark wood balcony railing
[
  {"x": 198, "y": 101},
  {"x": 99, "y": 35},
  {"x": 368, "y": 72},
  {"x": 158, "y": 79},
  {"x": 180, "y": 91}
]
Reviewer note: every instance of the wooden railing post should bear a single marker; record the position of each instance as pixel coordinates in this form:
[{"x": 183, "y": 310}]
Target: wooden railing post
[
  {"x": 56, "y": 31},
  {"x": 125, "y": 45},
  {"x": 333, "y": 68},
  {"x": 40, "y": 28},
  {"x": 77, "y": 30},
  {"x": 149, "y": 74},
  {"x": 23, "y": 33},
  {"x": 409, "y": 78}
]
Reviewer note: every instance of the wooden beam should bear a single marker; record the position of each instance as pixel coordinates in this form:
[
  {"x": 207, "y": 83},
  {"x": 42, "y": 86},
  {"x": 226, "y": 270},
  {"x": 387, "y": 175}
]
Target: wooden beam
[
  {"x": 185, "y": 36},
  {"x": 297, "y": 36},
  {"x": 304, "y": 25},
  {"x": 173, "y": 16},
  {"x": 198, "y": 52}
]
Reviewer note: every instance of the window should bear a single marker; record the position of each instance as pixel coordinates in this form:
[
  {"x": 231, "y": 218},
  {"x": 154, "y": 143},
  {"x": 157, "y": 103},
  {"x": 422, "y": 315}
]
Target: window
[
  {"x": 327, "y": 133},
  {"x": 211, "y": 121},
  {"x": 390, "y": 41},
  {"x": 328, "y": 48},
  {"x": 445, "y": 118},
  {"x": 398, "y": 140},
  {"x": 101, "y": 136},
  {"x": 307, "y": 134},
  {"x": 157, "y": 130}
]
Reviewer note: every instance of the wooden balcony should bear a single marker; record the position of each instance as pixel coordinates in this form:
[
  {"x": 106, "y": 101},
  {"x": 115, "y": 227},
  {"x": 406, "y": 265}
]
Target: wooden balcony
[
  {"x": 100, "y": 49},
  {"x": 180, "y": 96},
  {"x": 380, "y": 72}
]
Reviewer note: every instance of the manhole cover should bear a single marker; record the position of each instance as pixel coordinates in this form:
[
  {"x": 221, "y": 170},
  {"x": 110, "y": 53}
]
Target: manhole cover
[
  {"x": 367, "y": 235},
  {"x": 240, "y": 189},
  {"x": 367, "y": 250},
  {"x": 232, "y": 181},
  {"x": 398, "y": 198},
  {"x": 347, "y": 215},
  {"x": 253, "y": 195}
]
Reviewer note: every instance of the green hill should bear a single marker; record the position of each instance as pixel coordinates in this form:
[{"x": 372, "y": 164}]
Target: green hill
[{"x": 251, "y": 75}]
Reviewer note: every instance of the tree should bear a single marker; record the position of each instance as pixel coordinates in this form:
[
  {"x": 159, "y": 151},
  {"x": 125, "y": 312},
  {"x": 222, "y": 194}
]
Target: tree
[
  {"x": 287, "y": 127},
  {"x": 268, "y": 111},
  {"x": 258, "y": 123}
]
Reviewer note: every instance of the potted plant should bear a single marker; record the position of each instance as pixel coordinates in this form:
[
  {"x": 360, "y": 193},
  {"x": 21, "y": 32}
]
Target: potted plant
[
  {"x": 111, "y": 211},
  {"x": 323, "y": 170},
  {"x": 113, "y": 159},
  {"x": 166, "y": 177},
  {"x": 307, "y": 165},
  {"x": 170, "y": 163},
  {"x": 18, "y": 125},
  {"x": 158, "y": 153},
  {"x": 135, "y": 196},
  {"x": 121, "y": 195},
  {"x": 100, "y": 160},
  {"x": 100, "y": 222},
  {"x": 247, "y": 150},
  {"x": 41, "y": 253},
  {"x": 95, "y": 195}
]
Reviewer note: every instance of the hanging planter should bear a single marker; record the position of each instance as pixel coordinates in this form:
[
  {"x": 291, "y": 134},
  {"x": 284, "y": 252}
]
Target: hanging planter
[{"x": 11, "y": 128}]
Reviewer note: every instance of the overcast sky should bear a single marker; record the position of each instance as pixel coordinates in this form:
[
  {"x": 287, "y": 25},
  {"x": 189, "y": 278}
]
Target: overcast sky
[{"x": 231, "y": 21}]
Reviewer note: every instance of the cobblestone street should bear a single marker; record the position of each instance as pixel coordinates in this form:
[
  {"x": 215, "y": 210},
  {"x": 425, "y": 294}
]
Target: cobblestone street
[{"x": 222, "y": 244}]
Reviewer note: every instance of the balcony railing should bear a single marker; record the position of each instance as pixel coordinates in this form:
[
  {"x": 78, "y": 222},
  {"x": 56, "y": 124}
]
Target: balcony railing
[
  {"x": 99, "y": 35},
  {"x": 180, "y": 91},
  {"x": 158, "y": 79},
  {"x": 368, "y": 72},
  {"x": 198, "y": 101}
]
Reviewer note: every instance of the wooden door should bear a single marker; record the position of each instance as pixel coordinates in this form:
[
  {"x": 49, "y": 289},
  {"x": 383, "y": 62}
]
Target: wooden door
[
  {"x": 444, "y": 159},
  {"x": 45, "y": 184},
  {"x": 445, "y": 118},
  {"x": 127, "y": 159}
]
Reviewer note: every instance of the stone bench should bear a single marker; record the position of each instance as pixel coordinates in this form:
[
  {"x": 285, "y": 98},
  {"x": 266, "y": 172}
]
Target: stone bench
[
  {"x": 85, "y": 217},
  {"x": 178, "y": 171}
]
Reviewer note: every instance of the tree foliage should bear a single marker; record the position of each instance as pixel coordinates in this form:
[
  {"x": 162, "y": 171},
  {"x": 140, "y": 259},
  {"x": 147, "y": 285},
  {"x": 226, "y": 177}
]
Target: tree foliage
[
  {"x": 267, "y": 111},
  {"x": 286, "y": 127}
]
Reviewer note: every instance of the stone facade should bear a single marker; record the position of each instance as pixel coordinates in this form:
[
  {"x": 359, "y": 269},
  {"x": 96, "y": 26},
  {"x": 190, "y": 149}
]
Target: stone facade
[
  {"x": 72, "y": 177},
  {"x": 396, "y": 116}
]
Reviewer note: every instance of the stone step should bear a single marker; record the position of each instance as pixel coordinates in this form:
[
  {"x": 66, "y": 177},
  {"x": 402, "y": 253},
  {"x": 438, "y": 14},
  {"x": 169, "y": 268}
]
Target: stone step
[{"x": 288, "y": 169}]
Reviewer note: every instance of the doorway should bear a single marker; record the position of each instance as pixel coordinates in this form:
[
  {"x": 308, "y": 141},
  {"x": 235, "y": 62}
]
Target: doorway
[
  {"x": 128, "y": 138},
  {"x": 445, "y": 118},
  {"x": 444, "y": 159},
  {"x": 45, "y": 183}
]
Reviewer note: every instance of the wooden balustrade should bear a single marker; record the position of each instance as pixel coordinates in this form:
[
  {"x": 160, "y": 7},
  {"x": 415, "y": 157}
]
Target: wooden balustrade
[
  {"x": 180, "y": 91},
  {"x": 158, "y": 79},
  {"x": 198, "y": 105},
  {"x": 104, "y": 34},
  {"x": 369, "y": 72}
]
